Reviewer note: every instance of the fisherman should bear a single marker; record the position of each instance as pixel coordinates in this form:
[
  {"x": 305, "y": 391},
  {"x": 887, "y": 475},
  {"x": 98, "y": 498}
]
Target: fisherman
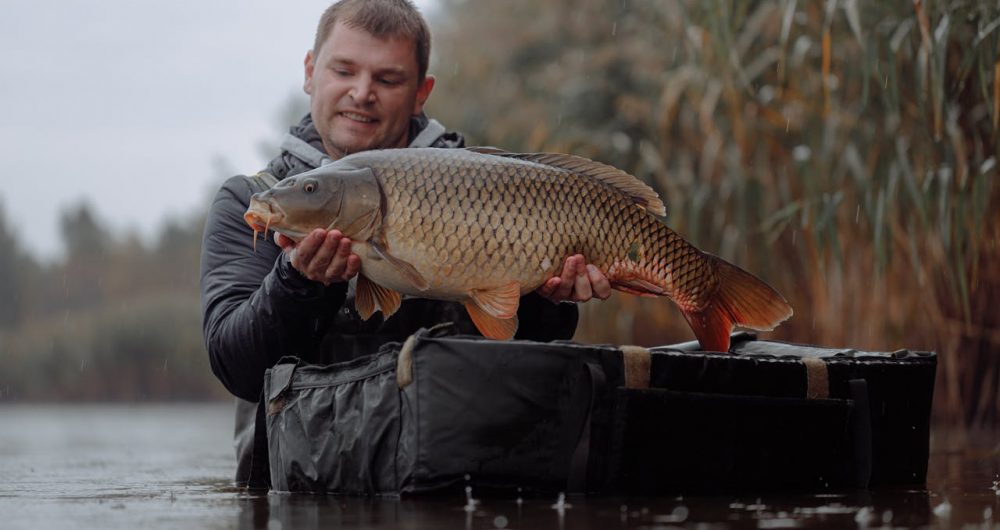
[{"x": 366, "y": 77}]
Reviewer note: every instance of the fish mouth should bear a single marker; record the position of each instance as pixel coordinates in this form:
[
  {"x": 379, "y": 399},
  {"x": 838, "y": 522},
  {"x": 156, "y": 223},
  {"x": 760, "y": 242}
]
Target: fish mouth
[{"x": 264, "y": 215}]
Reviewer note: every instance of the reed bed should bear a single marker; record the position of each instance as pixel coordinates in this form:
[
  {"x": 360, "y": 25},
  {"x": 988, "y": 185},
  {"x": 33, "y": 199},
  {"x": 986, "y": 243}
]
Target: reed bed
[{"x": 845, "y": 151}]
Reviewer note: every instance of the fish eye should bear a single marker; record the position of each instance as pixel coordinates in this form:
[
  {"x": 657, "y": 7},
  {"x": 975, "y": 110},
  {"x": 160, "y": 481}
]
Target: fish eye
[{"x": 309, "y": 186}]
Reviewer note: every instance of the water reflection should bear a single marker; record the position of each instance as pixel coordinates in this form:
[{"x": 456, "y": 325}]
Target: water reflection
[
  {"x": 892, "y": 509},
  {"x": 170, "y": 467}
]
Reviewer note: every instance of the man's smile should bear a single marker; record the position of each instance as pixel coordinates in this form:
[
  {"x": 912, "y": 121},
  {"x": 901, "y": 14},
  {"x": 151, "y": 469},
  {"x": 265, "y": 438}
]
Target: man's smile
[{"x": 353, "y": 116}]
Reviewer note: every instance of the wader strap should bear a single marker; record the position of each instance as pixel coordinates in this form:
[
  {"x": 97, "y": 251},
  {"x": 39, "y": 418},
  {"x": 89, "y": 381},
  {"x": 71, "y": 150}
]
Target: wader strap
[
  {"x": 577, "y": 480},
  {"x": 637, "y": 366},
  {"x": 817, "y": 378}
]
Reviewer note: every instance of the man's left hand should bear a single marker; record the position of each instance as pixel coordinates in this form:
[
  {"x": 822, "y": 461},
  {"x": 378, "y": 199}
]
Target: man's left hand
[{"x": 578, "y": 282}]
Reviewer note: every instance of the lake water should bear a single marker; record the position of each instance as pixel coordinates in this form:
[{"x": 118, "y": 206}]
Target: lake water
[{"x": 170, "y": 466}]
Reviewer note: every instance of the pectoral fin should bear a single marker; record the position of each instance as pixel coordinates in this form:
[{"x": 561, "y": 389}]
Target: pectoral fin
[
  {"x": 368, "y": 293},
  {"x": 638, "y": 286},
  {"x": 404, "y": 268},
  {"x": 491, "y": 326},
  {"x": 500, "y": 302}
]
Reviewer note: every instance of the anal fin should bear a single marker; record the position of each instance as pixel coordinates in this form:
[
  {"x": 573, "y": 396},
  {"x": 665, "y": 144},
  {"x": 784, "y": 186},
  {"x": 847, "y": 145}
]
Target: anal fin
[
  {"x": 368, "y": 293},
  {"x": 491, "y": 326},
  {"x": 500, "y": 302}
]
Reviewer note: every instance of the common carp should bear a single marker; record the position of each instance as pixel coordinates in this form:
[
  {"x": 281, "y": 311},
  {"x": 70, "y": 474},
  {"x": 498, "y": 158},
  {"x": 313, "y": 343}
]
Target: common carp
[{"x": 483, "y": 226}]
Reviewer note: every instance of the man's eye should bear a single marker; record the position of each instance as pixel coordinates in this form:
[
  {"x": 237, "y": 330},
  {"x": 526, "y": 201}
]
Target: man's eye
[
  {"x": 342, "y": 73},
  {"x": 388, "y": 81}
]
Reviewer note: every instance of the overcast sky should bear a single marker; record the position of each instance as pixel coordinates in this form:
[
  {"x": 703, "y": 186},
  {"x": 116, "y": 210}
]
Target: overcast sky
[{"x": 131, "y": 105}]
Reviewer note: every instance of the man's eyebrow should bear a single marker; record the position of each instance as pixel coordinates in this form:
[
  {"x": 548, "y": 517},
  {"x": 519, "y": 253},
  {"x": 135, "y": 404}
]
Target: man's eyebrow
[
  {"x": 340, "y": 61},
  {"x": 392, "y": 70}
]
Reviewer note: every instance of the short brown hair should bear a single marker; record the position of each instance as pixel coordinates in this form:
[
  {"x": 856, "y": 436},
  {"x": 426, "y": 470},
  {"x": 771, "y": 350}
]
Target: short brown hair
[{"x": 381, "y": 18}]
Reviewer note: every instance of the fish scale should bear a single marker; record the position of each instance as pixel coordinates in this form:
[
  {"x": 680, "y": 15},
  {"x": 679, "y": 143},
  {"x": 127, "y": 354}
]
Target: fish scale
[
  {"x": 484, "y": 206},
  {"x": 482, "y": 226}
]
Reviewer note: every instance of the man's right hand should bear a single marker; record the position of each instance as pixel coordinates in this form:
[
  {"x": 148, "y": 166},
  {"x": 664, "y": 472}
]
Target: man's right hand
[{"x": 323, "y": 256}]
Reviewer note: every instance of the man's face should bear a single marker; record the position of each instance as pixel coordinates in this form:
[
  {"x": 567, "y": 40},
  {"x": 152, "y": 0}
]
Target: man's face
[{"x": 364, "y": 90}]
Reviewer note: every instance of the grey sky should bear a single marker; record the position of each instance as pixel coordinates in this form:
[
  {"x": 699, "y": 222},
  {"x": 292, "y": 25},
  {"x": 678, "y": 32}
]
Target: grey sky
[{"x": 128, "y": 103}]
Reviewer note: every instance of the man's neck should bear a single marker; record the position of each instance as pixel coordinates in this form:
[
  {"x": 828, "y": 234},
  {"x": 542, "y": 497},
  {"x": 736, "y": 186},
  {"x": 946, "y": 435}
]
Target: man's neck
[{"x": 337, "y": 154}]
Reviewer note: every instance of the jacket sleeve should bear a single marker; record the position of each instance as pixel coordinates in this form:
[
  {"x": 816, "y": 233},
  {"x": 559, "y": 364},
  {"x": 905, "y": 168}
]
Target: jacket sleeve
[
  {"x": 256, "y": 308},
  {"x": 541, "y": 320}
]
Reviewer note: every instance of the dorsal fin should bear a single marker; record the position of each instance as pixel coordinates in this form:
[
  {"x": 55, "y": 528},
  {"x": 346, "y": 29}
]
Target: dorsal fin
[{"x": 631, "y": 186}]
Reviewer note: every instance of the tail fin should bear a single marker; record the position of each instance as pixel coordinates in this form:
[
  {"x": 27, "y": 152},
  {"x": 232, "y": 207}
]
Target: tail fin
[{"x": 742, "y": 299}]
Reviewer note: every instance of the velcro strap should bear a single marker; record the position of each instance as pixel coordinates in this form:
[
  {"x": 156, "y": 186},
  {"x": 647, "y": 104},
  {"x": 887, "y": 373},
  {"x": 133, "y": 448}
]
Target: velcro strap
[
  {"x": 817, "y": 378},
  {"x": 637, "y": 365}
]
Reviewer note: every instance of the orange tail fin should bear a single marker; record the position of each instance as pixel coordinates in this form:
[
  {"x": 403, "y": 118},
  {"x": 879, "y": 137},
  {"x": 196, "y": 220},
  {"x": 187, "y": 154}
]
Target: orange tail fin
[{"x": 741, "y": 300}]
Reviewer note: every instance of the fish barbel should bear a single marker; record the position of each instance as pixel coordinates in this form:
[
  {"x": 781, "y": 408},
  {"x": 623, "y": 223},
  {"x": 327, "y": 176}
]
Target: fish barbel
[{"x": 483, "y": 227}]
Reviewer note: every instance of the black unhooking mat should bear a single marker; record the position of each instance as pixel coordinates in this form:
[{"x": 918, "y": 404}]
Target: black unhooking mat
[{"x": 445, "y": 411}]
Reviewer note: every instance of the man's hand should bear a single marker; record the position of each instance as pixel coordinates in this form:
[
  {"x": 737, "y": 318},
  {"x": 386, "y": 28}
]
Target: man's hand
[
  {"x": 322, "y": 256},
  {"x": 579, "y": 282}
]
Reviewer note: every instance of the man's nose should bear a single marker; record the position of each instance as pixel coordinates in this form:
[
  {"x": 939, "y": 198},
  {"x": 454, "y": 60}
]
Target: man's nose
[{"x": 362, "y": 91}]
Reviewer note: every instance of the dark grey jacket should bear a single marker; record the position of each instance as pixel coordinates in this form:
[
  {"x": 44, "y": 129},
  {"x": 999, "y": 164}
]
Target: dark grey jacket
[{"x": 257, "y": 308}]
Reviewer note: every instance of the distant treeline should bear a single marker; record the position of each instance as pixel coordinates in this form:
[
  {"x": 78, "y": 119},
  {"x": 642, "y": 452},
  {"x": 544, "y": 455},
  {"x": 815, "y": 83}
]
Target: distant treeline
[
  {"x": 114, "y": 319},
  {"x": 844, "y": 151}
]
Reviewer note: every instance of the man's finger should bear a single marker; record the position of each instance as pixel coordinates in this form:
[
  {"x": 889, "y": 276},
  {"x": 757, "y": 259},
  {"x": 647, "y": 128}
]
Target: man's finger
[
  {"x": 307, "y": 248},
  {"x": 344, "y": 249},
  {"x": 283, "y": 241},
  {"x": 549, "y": 287},
  {"x": 568, "y": 280},
  {"x": 353, "y": 267},
  {"x": 336, "y": 268},
  {"x": 325, "y": 254},
  {"x": 581, "y": 284},
  {"x": 599, "y": 282}
]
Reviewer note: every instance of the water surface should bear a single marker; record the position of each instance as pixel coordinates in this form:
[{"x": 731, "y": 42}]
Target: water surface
[{"x": 170, "y": 466}]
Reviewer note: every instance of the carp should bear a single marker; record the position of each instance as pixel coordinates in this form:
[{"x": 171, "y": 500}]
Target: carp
[{"x": 483, "y": 227}]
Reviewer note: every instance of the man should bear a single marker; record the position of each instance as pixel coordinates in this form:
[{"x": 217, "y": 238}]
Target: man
[{"x": 367, "y": 81}]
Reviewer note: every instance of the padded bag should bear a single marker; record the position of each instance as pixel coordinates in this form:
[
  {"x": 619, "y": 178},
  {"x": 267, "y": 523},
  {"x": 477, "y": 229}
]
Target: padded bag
[{"x": 439, "y": 412}]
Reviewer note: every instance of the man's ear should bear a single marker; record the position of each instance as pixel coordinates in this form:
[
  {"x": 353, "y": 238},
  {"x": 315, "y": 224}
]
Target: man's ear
[
  {"x": 310, "y": 65},
  {"x": 423, "y": 92}
]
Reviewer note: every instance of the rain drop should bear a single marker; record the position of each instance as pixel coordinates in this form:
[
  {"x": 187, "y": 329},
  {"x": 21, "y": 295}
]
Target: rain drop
[
  {"x": 864, "y": 517},
  {"x": 470, "y": 503},
  {"x": 561, "y": 503}
]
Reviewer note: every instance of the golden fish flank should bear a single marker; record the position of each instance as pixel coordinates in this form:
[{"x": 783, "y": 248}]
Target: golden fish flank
[{"x": 483, "y": 227}]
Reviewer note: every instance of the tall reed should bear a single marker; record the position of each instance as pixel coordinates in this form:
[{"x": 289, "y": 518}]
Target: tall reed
[{"x": 845, "y": 151}]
